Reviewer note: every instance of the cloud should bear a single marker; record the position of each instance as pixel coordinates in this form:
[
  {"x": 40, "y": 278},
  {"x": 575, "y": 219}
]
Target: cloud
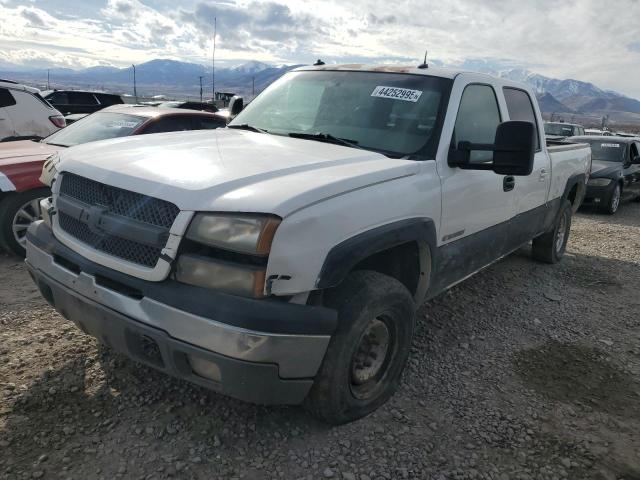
[{"x": 570, "y": 39}]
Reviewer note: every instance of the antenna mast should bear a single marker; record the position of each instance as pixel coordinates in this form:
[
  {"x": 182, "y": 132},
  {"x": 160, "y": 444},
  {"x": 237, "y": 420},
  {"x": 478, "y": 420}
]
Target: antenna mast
[
  {"x": 424, "y": 64},
  {"x": 213, "y": 61}
]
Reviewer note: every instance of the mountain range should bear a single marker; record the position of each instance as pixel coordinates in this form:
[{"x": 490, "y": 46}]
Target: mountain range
[{"x": 569, "y": 99}]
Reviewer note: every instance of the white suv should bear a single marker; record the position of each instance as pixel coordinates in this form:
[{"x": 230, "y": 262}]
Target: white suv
[{"x": 24, "y": 114}]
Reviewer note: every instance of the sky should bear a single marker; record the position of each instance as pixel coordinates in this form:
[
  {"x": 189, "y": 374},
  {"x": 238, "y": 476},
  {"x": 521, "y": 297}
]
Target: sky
[{"x": 582, "y": 39}]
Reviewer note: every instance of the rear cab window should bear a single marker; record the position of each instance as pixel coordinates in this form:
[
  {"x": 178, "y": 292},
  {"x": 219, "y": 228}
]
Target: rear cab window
[
  {"x": 6, "y": 99},
  {"x": 520, "y": 107},
  {"x": 82, "y": 98}
]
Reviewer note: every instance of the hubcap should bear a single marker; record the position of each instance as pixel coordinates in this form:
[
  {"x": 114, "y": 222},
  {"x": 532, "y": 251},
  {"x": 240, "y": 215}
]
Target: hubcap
[
  {"x": 615, "y": 200},
  {"x": 562, "y": 230},
  {"x": 371, "y": 353},
  {"x": 25, "y": 216}
]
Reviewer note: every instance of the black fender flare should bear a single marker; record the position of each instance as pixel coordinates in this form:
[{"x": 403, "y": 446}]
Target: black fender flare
[
  {"x": 344, "y": 256},
  {"x": 580, "y": 180}
]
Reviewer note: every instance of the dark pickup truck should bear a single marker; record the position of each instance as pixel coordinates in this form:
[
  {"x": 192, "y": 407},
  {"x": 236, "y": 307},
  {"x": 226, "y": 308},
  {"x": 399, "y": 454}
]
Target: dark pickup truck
[{"x": 615, "y": 171}]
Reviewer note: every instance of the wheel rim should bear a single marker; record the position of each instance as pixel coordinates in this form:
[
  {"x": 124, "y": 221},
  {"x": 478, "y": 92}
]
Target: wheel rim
[
  {"x": 371, "y": 357},
  {"x": 25, "y": 216},
  {"x": 562, "y": 231},
  {"x": 615, "y": 200}
]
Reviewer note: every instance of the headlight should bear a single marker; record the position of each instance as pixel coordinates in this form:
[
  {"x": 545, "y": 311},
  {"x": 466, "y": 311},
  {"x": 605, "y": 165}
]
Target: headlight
[
  {"x": 232, "y": 278},
  {"x": 244, "y": 234},
  {"x": 599, "y": 182}
]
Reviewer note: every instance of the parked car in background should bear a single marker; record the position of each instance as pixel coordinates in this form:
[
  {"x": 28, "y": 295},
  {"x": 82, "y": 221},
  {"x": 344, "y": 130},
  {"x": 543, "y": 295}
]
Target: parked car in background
[
  {"x": 615, "y": 171},
  {"x": 21, "y": 162},
  {"x": 561, "y": 130},
  {"x": 282, "y": 259},
  {"x": 78, "y": 101},
  {"x": 24, "y": 114},
  {"x": 203, "y": 106},
  {"x": 595, "y": 132}
]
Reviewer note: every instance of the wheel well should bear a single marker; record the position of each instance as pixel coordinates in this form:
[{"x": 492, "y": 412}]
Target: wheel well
[
  {"x": 573, "y": 194},
  {"x": 401, "y": 262}
]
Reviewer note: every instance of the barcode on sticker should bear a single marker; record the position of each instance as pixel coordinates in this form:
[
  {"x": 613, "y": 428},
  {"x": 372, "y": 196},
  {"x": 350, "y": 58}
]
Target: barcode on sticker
[
  {"x": 396, "y": 93},
  {"x": 610, "y": 145}
]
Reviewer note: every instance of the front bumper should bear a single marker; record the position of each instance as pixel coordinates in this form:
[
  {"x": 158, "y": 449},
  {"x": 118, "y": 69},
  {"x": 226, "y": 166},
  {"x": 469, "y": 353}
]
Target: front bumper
[
  {"x": 597, "y": 195},
  {"x": 266, "y": 367}
]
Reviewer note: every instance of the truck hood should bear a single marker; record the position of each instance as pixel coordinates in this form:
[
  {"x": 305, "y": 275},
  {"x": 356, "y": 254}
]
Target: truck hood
[
  {"x": 600, "y": 169},
  {"x": 24, "y": 151},
  {"x": 232, "y": 170}
]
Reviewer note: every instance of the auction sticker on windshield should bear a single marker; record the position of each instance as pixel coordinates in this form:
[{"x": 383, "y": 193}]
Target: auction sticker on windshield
[
  {"x": 122, "y": 124},
  {"x": 610, "y": 145},
  {"x": 396, "y": 93}
]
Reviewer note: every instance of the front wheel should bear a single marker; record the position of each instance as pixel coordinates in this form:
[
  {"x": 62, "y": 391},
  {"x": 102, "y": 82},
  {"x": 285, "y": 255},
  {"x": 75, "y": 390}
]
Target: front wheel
[
  {"x": 550, "y": 247},
  {"x": 17, "y": 212},
  {"x": 613, "y": 202},
  {"x": 368, "y": 352}
]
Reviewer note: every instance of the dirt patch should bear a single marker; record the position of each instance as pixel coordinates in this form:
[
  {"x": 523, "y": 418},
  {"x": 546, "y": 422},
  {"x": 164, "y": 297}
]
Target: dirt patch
[{"x": 579, "y": 374}]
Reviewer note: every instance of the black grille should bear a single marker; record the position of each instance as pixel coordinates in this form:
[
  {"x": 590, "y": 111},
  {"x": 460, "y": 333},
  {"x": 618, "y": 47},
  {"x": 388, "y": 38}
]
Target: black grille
[
  {"x": 121, "y": 202},
  {"x": 119, "y": 247}
]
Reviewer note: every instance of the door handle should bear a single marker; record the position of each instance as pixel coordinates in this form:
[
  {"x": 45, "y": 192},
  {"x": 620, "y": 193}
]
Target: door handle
[
  {"x": 543, "y": 175},
  {"x": 508, "y": 183}
]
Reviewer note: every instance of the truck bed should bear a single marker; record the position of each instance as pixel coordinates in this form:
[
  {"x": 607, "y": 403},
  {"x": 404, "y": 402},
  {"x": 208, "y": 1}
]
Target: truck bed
[{"x": 567, "y": 159}]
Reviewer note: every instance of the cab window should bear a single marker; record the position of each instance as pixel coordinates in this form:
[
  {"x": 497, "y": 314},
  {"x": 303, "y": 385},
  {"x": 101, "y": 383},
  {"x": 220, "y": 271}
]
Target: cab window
[
  {"x": 6, "y": 99},
  {"x": 520, "y": 107},
  {"x": 477, "y": 121}
]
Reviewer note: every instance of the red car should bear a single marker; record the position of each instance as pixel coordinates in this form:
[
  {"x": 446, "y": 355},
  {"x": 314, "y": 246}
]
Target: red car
[{"x": 21, "y": 161}]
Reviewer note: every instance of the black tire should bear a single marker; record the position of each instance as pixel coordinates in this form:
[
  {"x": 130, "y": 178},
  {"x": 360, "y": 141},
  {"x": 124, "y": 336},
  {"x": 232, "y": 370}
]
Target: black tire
[
  {"x": 550, "y": 246},
  {"x": 366, "y": 302},
  {"x": 613, "y": 200},
  {"x": 9, "y": 208}
]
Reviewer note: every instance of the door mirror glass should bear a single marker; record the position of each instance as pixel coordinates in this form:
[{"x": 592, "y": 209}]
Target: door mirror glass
[{"x": 513, "y": 150}]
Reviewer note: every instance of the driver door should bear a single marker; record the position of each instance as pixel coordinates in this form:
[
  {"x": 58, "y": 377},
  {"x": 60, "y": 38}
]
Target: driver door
[{"x": 476, "y": 204}]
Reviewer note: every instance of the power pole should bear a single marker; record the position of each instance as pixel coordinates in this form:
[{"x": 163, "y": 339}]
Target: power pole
[
  {"x": 213, "y": 61},
  {"x": 48, "y": 84},
  {"x": 201, "y": 77},
  {"x": 253, "y": 87},
  {"x": 135, "y": 89}
]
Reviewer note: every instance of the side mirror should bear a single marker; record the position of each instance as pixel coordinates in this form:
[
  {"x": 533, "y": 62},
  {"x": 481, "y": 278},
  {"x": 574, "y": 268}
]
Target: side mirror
[
  {"x": 513, "y": 150},
  {"x": 235, "y": 106},
  {"x": 635, "y": 160}
]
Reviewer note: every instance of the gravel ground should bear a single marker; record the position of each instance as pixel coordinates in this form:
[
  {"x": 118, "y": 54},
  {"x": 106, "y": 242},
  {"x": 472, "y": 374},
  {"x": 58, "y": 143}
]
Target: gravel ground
[{"x": 524, "y": 371}]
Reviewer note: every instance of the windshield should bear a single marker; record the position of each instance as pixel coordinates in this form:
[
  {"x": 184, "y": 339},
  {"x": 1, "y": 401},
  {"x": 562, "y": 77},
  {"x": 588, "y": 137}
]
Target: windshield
[
  {"x": 396, "y": 114},
  {"x": 608, "y": 151},
  {"x": 560, "y": 129},
  {"x": 99, "y": 126}
]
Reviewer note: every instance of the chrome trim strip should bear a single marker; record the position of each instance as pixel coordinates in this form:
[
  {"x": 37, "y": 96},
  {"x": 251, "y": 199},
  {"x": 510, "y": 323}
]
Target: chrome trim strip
[{"x": 298, "y": 356}]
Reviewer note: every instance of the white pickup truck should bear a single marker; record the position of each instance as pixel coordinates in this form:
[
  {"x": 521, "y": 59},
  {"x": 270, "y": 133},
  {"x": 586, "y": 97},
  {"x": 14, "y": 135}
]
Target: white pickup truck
[{"x": 282, "y": 259}]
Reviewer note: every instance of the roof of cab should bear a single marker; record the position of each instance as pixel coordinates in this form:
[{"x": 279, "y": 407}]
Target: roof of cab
[{"x": 359, "y": 67}]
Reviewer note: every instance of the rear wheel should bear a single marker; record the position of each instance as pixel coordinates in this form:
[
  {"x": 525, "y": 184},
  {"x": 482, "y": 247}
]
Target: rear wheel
[
  {"x": 550, "y": 247},
  {"x": 17, "y": 212},
  {"x": 368, "y": 352}
]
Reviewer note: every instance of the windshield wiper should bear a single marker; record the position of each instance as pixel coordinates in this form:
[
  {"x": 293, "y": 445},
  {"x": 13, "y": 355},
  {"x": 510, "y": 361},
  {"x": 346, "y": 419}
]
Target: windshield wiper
[
  {"x": 326, "y": 137},
  {"x": 246, "y": 126}
]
